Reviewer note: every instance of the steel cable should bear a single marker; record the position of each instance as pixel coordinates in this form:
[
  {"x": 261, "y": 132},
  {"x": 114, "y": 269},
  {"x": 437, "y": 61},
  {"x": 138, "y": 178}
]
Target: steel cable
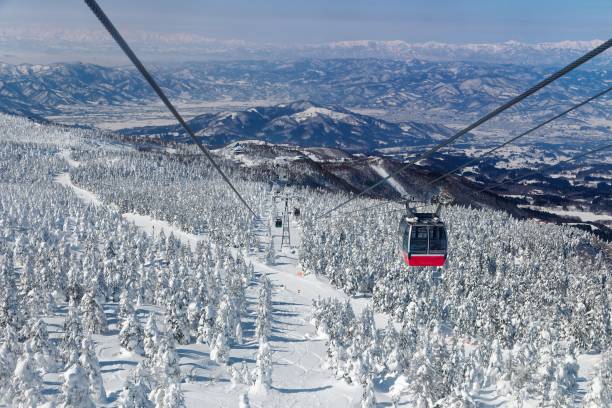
[
  {"x": 95, "y": 8},
  {"x": 570, "y": 67}
]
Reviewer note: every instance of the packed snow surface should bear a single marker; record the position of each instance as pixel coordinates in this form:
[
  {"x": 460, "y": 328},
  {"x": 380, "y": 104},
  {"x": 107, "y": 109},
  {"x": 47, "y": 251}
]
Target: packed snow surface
[{"x": 392, "y": 181}]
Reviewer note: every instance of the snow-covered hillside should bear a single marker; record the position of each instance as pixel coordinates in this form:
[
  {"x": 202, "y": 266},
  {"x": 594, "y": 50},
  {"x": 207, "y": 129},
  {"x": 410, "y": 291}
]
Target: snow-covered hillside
[
  {"x": 301, "y": 123},
  {"x": 134, "y": 279}
]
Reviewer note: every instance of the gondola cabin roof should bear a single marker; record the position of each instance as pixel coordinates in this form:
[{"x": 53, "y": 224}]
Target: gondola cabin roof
[{"x": 419, "y": 219}]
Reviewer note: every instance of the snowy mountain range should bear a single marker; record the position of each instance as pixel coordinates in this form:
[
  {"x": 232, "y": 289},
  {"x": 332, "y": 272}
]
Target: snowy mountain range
[
  {"x": 33, "y": 43},
  {"x": 302, "y": 123},
  {"x": 513, "y": 52},
  {"x": 424, "y": 88}
]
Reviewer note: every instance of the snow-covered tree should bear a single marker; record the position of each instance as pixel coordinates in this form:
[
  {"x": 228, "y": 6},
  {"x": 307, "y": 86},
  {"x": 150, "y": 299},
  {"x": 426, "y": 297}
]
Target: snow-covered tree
[
  {"x": 177, "y": 323},
  {"x": 271, "y": 253},
  {"x": 263, "y": 325},
  {"x": 206, "y": 325},
  {"x": 72, "y": 337},
  {"x": 9, "y": 353},
  {"x": 92, "y": 314},
  {"x": 173, "y": 397},
  {"x": 75, "y": 389},
  {"x": 598, "y": 395},
  {"x": 263, "y": 370},
  {"x": 219, "y": 350},
  {"x": 135, "y": 393},
  {"x": 26, "y": 384},
  {"x": 131, "y": 336},
  {"x": 90, "y": 364},
  {"x": 151, "y": 337},
  {"x": 165, "y": 365},
  {"x": 42, "y": 348},
  {"x": 368, "y": 398},
  {"x": 126, "y": 303}
]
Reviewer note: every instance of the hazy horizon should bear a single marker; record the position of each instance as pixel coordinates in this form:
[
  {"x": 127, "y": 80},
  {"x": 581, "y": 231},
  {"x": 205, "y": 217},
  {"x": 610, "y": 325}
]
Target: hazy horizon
[{"x": 43, "y": 31}]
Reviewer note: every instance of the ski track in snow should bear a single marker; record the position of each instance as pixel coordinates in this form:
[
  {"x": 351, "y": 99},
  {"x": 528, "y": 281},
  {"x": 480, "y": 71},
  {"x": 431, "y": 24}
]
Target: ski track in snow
[
  {"x": 84, "y": 195},
  {"x": 392, "y": 181}
]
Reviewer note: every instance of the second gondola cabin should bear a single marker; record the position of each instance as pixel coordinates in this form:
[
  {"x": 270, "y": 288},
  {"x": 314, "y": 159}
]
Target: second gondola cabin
[{"x": 423, "y": 240}]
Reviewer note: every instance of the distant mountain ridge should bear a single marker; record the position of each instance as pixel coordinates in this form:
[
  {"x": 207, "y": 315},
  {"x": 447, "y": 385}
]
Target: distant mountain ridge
[
  {"x": 301, "y": 123},
  {"x": 71, "y": 44},
  {"x": 450, "y": 87}
]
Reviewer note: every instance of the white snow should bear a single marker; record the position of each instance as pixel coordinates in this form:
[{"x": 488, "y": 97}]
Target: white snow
[
  {"x": 86, "y": 196},
  {"x": 299, "y": 376},
  {"x": 392, "y": 181},
  {"x": 582, "y": 215},
  {"x": 316, "y": 111}
]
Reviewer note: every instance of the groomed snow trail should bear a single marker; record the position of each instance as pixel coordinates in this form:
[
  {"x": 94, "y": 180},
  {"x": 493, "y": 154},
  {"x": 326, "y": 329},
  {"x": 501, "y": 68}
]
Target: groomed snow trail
[{"x": 392, "y": 181}]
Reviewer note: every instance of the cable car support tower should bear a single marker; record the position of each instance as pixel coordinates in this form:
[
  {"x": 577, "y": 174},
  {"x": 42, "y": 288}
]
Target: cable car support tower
[{"x": 286, "y": 236}]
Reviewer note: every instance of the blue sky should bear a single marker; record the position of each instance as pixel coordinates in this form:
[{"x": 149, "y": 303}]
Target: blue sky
[{"x": 314, "y": 21}]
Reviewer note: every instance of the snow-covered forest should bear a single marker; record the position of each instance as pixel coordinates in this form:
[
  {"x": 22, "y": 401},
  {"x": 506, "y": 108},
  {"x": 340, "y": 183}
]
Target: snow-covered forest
[{"x": 133, "y": 278}]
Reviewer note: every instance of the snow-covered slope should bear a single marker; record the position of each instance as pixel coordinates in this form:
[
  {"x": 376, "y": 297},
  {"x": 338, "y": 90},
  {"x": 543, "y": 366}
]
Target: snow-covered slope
[
  {"x": 301, "y": 123},
  {"x": 100, "y": 241}
]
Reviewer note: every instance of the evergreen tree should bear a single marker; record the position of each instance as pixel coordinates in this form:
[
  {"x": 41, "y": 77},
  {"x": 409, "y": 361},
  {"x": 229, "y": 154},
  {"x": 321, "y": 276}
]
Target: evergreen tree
[
  {"x": 495, "y": 368},
  {"x": 219, "y": 350},
  {"x": 400, "y": 386},
  {"x": 423, "y": 379},
  {"x": 391, "y": 353},
  {"x": 271, "y": 253},
  {"x": 135, "y": 393},
  {"x": 90, "y": 364},
  {"x": 177, "y": 323},
  {"x": 42, "y": 348},
  {"x": 126, "y": 304},
  {"x": 10, "y": 308},
  {"x": 72, "y": 337},
  {"x": 599, "y": 394},
  {"x": 92, "y": 313},
  {"x": 368, "y": 398},
  {"x": 9, "y": 351},
  {"x": 151, "y": 337},
  {"x": 75, "y": 389},
  {"x": 166, "y": 361},
  {"x": 173, "y": 397},
  {"x": 131, "y": 335},
  {"x": 263, "y": 370},
  {"x": 206, "y": 325},
  {"x": 26, "y": 383},
  {"x": 264, "y": 310}
]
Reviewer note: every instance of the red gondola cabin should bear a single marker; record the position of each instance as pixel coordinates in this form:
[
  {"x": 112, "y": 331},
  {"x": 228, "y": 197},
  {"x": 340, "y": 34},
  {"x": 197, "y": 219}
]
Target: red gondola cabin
[{"x": 424, "y": 241}]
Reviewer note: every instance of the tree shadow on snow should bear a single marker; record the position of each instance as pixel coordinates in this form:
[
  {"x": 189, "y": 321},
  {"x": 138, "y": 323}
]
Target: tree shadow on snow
[
  {"x": 51, "y": 391},
  {"x": 118, "y": 362},
  {"x": 280, "y": 339},
  {"x": 284, "y": 313},
  {"x": 278, "y": 303},
  {"x": 233, "y": 360},
  {"x": 280, "y": 322},
  {"x": 301, "y": 390},
  {"x": 204, "y": 378},
  {"x": 191, "y": 353}
]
